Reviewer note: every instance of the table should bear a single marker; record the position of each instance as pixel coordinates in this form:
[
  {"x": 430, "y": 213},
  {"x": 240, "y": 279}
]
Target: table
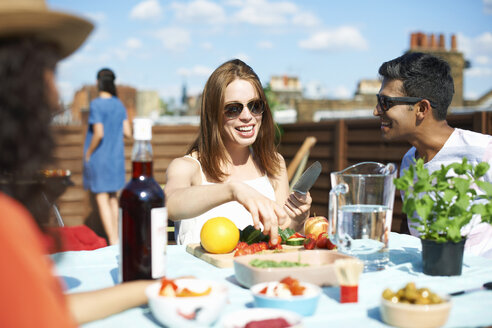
[{"x": 89, "y": 270}]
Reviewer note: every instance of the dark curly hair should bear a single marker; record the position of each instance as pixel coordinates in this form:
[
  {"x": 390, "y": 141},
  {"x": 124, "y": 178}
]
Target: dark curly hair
[
  {"x": 425, "y": 76},
  {"x": 26, "y": 142}
]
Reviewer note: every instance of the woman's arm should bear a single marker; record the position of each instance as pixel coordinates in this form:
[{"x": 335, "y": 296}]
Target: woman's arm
[
  {"x": 186, "y": 197},
  {"x": 95, "y": 305},
  {"x": 127, "y": 131},
  {"x": 296, "y": 205},
  {"x": 96, "y": 139}
]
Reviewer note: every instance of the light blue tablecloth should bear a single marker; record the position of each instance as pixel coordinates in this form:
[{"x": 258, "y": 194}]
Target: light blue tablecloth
[{"x": 89, "y": 270}]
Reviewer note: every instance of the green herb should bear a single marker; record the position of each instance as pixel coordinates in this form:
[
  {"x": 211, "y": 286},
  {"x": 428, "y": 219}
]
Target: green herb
[
  {"x": 443, "y": 202},
  {"x": 251, "y": 235},
  {"x": 286, "y": 233},
  {"x": 257, "y": 263}
]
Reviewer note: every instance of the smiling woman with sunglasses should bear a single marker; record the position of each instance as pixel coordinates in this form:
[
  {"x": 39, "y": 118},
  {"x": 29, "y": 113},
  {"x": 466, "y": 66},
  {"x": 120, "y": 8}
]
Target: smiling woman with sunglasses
[{"x": 233, "y": 168}]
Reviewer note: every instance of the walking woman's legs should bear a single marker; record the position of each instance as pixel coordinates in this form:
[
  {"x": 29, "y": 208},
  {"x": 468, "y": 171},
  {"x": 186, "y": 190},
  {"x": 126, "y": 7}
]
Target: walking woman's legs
[{"x": 110, "y": 225}]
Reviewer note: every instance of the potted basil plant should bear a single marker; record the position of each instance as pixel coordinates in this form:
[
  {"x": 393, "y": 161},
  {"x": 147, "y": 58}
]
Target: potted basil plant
[{"x": 441, "y": 204}]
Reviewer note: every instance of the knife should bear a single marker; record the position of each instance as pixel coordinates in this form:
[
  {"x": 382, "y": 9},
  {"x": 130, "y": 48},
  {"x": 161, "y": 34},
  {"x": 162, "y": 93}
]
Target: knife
[
  {"x": 308, "y": 178},
  {"x": 487, "y": 285}
]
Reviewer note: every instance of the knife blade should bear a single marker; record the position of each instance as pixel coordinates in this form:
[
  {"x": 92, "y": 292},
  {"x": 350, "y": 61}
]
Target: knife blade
[{"x": 308, "y": 178}]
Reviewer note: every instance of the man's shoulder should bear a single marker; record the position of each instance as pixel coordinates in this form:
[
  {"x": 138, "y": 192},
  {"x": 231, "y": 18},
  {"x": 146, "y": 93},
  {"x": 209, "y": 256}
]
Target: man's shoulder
[{"x": 473, "y": 138}]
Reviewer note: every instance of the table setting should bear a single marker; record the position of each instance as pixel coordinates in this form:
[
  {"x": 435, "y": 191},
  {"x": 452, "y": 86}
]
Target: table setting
[
  {"x": 350, "y": 270},
  {"x": 90, "y": 270}
]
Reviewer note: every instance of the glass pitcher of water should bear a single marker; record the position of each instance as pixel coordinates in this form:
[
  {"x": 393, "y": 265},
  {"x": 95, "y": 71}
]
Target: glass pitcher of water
[{"x": 361, "y": 211}]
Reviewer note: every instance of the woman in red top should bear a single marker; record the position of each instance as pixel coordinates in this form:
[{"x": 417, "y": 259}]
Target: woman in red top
[{"x": 32, "y": 40}]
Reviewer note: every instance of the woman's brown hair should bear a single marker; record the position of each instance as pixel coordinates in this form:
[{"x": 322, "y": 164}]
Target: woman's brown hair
[{"x": 209, "y": 145}]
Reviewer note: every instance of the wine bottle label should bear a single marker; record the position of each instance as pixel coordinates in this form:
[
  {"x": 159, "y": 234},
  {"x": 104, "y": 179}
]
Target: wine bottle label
[{"x": 159, "y": 241}]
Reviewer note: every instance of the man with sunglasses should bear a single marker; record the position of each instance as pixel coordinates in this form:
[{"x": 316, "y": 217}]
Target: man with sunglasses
[{"x": 412, "y": 105}]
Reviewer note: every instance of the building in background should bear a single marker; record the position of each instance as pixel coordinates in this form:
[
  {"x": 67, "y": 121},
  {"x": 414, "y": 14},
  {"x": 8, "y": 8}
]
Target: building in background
[
  {"x": 84, "y": 96},
  {"x": 364, "y": 100},
  {"x": 287, "y": 89},
  {"x": 148, "y": 103}
]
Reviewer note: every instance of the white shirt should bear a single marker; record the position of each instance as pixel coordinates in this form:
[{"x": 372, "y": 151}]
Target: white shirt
[
  {"x": 476, "y": 147},
  {"x": 187, "y": 231}
]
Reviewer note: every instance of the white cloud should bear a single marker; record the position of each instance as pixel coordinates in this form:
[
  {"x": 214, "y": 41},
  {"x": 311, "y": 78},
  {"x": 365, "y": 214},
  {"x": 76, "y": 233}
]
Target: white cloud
[
  {"x": 305, "y": 19},
  {"x": 207, "y": 45},
  {"x": 475, "y": 46},
  {"x": 196, "y": 71},
  {"x": 315, "y": 90},
  {"x": 487, "y": 6},
  {"x": 482, "y": 60},
  {"x": 478, "y": 72},
  {"x": 133, "y": 43},
  {"x": 97, "y": 17},
  {"x": 199, "y": 11},
  {"x": 339, "y": 39},
  {"x": 145, "y": 10},
  {"x": 265, "y": 45},
  {"x": 174, "y": 38},
  {"x": 341, "y": 92},
  {"x": 242, "y": 56},
  {"x": 265, "y": 13}
]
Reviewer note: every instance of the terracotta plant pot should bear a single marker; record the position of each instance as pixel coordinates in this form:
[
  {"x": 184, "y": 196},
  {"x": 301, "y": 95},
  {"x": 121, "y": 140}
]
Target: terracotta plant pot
[{"x": 442, "y": 259}]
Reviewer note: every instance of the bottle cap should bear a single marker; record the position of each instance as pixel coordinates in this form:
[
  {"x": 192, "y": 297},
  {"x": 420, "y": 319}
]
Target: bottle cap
[{"x": 142, "y": 129}]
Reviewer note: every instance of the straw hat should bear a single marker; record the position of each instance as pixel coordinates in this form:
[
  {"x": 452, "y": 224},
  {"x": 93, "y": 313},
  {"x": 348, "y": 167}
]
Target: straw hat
[{"x": 20, "y": 18}]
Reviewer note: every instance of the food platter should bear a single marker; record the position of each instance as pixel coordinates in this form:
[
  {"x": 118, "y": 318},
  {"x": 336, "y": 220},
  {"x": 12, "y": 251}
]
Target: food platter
[
  {"x": 320, "y": 270},
  {"x": 226, "y": 260}
]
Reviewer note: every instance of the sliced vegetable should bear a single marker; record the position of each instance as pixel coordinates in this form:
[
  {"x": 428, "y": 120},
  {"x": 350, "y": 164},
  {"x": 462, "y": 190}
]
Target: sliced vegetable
[
  {"x": 295, "y": 241},
  {"x": 286, "y": 233}
]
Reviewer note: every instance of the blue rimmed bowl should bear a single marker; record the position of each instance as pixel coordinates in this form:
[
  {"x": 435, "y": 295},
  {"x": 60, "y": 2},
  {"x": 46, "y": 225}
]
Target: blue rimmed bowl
[{"x": 304, "y": 305}]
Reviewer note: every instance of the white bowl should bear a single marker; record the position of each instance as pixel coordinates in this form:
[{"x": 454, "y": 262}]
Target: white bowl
[
  {"x": 304, "y": 305},
  {"x": 405, "y": 315},
  {"x": 195, "y": 311}
]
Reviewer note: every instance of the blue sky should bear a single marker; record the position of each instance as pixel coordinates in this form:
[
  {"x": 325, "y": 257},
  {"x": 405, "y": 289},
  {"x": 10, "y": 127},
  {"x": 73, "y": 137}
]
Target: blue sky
[{"x": 159, "y": 45}]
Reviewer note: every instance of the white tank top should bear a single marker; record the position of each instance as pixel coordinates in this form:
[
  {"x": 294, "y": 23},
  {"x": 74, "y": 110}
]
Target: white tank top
[{"x": 187, "y": 231}]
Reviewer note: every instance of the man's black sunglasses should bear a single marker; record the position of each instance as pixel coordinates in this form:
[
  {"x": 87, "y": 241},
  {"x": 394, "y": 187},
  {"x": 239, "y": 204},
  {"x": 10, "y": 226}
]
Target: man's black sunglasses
[
  {"x": 233, "y": 110},
  {"x": 385, "y": 102}
]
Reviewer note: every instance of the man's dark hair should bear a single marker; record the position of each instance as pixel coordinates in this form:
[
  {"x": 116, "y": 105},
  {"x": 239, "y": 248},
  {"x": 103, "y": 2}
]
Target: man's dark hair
[
  {"x": 425, "y": 76},
  {"x": 26, "y": 143},
  {"x": 105, "y": 81}
]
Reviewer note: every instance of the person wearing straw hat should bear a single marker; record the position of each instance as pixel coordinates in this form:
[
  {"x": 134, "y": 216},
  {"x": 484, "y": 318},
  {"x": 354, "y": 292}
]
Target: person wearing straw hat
[{"x": 33, "y": 39}]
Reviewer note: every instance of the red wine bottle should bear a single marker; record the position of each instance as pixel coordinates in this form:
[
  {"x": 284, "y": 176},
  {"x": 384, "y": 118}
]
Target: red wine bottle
[{"x": 143, "y": 217}]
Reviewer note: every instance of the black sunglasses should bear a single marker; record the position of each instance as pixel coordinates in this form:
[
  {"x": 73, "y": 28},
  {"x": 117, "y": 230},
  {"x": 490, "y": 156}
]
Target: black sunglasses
[
  {"x": 385, "y": 102},
  {"x": 233, "y": 110}
]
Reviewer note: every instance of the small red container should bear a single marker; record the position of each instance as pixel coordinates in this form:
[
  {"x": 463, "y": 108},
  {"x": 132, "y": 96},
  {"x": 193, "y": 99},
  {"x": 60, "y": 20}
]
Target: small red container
[{"x": 349, "y": 294}]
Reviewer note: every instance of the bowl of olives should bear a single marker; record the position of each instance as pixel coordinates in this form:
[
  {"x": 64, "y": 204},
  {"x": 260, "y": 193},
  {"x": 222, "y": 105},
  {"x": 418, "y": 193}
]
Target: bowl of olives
[{"x": 411, "y": 307}]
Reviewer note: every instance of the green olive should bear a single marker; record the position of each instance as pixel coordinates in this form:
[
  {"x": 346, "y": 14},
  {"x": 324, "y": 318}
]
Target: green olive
[
  {"x": 388, "y": 294},
  {"x": 411, "y": 295}
]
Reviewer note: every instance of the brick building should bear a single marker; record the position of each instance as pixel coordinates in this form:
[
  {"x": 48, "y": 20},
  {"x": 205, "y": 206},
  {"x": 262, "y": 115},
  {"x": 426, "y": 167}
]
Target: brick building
[{"x": 83, "y": 97}]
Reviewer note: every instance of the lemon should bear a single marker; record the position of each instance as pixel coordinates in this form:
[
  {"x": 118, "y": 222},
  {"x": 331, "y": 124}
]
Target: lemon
[{"x": 219, "y": 235}]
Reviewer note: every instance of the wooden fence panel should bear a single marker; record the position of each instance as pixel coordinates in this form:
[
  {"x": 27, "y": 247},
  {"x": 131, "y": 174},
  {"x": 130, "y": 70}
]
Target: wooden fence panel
[{"x": 340, "y": 143}]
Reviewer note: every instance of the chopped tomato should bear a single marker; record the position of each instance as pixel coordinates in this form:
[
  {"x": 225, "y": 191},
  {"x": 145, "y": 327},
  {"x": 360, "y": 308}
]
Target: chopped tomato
[
  {"x": 297, "y": 235},
  {"x": 294, "y": 286},
  {"x": 263, "y": 245},
  {"x": 272, "y": 246},
  {"x": 241, "y": 245},
  {"x": 167, "y": 282},
  {"x": 264, "y": 290}
]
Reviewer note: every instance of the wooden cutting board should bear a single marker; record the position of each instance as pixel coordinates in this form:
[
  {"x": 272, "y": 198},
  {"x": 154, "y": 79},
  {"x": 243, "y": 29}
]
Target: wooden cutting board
[{"x": 224, "y": 260}]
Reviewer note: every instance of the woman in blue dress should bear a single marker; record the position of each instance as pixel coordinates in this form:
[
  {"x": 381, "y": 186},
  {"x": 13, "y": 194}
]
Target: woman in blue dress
[{"x": 104, "y": 158}]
